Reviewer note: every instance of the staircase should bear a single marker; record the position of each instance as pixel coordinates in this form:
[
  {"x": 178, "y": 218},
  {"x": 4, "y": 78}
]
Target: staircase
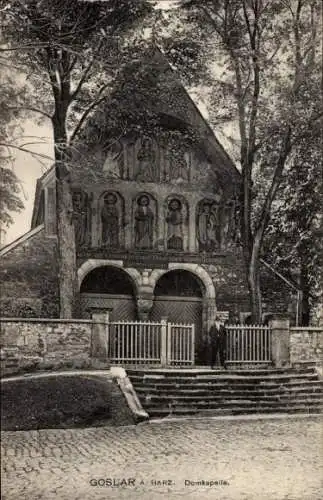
[{"x": 204, "y": 392}]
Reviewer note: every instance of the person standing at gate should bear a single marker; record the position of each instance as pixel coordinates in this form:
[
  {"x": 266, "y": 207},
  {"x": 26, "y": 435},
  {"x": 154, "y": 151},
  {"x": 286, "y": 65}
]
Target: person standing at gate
[{"x": 217, "y": 336}]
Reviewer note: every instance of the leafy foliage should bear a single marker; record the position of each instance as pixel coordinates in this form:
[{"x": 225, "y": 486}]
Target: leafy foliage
[
  {"x": 9, "y": 183},
  {"x": 266, "y": 60},
  {"x": 9, "y": 195}
]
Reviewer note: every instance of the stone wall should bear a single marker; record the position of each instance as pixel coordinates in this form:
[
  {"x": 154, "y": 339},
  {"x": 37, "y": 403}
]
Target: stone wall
[
  {"x": 230, "y": 284},
  {"x": 45, "y": 344},
  {"x": 28, "y": 276},
  {"x": 306, "y": 346}
]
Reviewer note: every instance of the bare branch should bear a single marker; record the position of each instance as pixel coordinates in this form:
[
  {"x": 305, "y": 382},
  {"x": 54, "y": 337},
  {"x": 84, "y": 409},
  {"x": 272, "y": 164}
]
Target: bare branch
[
  {"x": 29, "y": 108},
  {"x": 88, "y": 110},
  {"x": 86, "y": 72},
  {"x": 24, "y": 150}
]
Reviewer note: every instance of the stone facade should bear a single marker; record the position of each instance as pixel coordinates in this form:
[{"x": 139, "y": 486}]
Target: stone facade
[
  {"x": 306, "y": 346},
  {"x": 145, "y": 205}
]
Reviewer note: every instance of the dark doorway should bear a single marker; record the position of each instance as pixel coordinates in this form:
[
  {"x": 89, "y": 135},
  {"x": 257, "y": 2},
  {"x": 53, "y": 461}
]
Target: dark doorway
[
  {"x": 179, "y": 298},
  {"x": 110, "y": 289}
]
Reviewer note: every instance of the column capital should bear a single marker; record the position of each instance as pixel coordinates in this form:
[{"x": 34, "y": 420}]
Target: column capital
[{"x": 144, "y": 306}]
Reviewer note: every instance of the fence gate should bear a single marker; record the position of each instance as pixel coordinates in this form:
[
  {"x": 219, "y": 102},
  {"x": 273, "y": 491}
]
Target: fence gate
[
  {"x": 248, "y": 344},
  {"x": 161, "y": 343}
]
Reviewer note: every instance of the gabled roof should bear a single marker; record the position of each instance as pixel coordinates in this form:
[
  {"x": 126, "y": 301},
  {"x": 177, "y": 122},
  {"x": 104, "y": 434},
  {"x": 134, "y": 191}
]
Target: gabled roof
[{"x": 164, "y": 97}]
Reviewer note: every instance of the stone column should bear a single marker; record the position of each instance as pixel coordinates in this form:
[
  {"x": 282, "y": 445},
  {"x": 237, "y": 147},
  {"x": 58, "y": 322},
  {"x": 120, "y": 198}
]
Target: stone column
[
  {"x": 144, "y": 306},
  {"x": 129, "y": 223},
  {"x": 95, "y": 226},
  {"x": 210, "y": 311},
  {"x": 192, "y": 244},
  {"x": 100, "y": 337},
  {"x": 280, "y": 342}
]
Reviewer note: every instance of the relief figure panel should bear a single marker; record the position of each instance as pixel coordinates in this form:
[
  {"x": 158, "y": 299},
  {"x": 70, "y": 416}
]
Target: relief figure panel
[
  {"x": 144, "y": 221},
  {"x": 111, "y": 224},
  {"x": 81, "y": 218},
  {"x": 177, "y": 164},
  {"x": 176, "y": 224},
  {"x": 113, "y": 166},
  {"x": 146, "y": 160},
  {"x": 208, "y": 228}
]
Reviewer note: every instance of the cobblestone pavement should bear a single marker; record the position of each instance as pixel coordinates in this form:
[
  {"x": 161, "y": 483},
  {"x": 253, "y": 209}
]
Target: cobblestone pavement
[{"x": 258, "y": 459}]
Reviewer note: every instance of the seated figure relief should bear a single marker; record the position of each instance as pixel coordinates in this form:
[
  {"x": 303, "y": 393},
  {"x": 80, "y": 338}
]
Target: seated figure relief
[
  {"x": 178, "y": 164},
  {"x": 146, "y": 160}
]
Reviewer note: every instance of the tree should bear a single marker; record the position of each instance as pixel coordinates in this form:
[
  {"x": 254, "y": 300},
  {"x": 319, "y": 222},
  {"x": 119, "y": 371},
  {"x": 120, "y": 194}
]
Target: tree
[
  {"x": 9, "y": 183},
  {"x": 293, "y": 242},
  {"x": 71, "y": 51},
  {"x": 9, "y": 196},
  {"x": 266, "y": 58}
]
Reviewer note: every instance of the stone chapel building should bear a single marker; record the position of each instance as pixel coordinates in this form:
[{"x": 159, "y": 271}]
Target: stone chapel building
[{"x": 156, "y": 232}]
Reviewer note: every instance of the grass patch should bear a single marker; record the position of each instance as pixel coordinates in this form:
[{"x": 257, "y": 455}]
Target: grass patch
[{"x": 57, "y": 402}]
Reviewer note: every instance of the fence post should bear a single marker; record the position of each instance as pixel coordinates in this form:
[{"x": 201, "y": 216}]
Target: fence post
[
  {"x": 163, "y": 342},
  {"x": 193, "y": 345},
  {"x": 280, "y": 342},
  {"x": 100, "y": 337}
]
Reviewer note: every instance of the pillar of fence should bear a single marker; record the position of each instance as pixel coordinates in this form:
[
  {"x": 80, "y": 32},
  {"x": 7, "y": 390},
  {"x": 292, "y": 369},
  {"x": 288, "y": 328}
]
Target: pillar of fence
[
  {"x": 280, "y": 342},
  {"x": 100, "y": 337},
  {"x": 163, "y": 342}
]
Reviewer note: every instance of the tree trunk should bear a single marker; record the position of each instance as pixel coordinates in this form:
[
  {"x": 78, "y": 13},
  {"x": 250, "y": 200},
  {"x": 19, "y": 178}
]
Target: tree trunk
[
  {"x": 67, "y": 277},
  {"x": 305, "y": 303},
  {"x": 254, "y": 283},
  {"x": 68, "y": 286}
]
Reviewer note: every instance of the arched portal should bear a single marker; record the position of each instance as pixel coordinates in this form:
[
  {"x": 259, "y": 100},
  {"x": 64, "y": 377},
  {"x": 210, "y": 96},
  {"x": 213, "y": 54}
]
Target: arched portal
[
  {"x": 108, "y": 289},
  {"x": 178, "y": 296}
]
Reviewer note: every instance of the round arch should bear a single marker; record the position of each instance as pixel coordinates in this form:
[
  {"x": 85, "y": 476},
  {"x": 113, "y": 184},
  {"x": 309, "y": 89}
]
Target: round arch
[
  {"x": 92, "y": 264},
  {"x": 195, "y": 269},
  {"x": 108, "y": 280}
]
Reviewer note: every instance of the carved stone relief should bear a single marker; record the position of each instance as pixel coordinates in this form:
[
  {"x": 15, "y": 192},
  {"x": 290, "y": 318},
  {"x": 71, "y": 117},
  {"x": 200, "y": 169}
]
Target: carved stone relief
[
  {"x": 111, "y": 213},
  {"x": 146, "y": 160},
  {"x": 114, "y": 163},
  {"x": 144, "y": 220},
  {"x": 208, "y": 228},
  {"x": 176, "y": 219},
  {"x": 178, "y": 164},
  {"x": 81, "y": 218}
]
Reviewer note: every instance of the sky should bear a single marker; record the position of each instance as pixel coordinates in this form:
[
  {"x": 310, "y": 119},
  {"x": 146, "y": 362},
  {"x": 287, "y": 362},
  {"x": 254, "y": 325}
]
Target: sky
[{"x": 28, "y": 169}]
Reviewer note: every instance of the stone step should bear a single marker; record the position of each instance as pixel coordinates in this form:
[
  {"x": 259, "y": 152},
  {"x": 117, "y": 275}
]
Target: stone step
[
  {"x": 223, "y": 377},
  {"x": 227, "y": 391},
  {"x": 191, "y": 411},
  {"x": 233, "y": 404},
  {"x": 230, "y": 386},
  {"x": 192, "y": 371},
  {"x": 192, "y": 374},
  {"x": 219, "y": 398}
]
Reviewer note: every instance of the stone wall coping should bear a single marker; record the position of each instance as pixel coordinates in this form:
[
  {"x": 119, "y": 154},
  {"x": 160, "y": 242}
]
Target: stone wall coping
[
  {"x": 50, "y": 320},
  {"x": 21, "y": 239},
  {"x": 306, "y": 329}
]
